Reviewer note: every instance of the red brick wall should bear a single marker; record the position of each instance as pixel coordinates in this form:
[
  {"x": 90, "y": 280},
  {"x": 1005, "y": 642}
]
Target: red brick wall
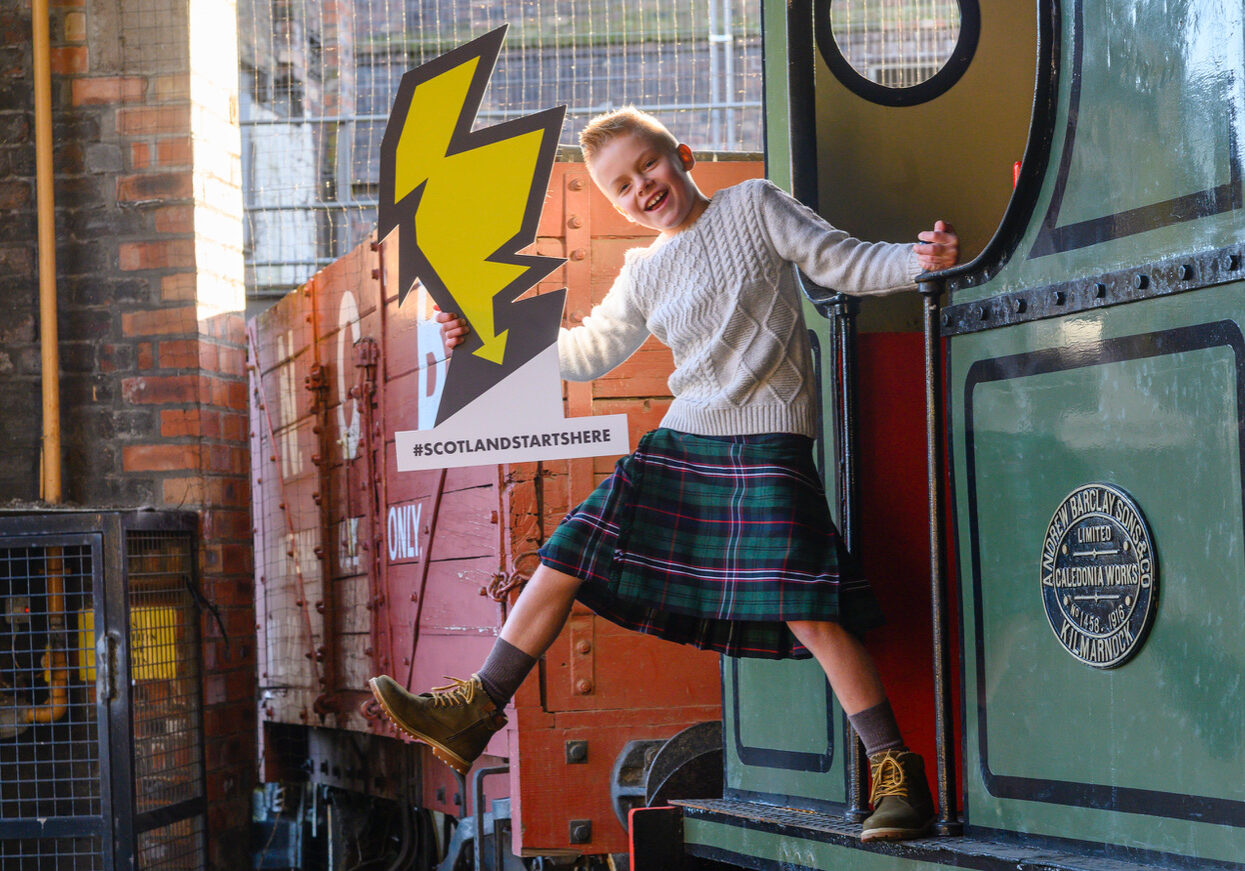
[{"x": 153, "y": 379}]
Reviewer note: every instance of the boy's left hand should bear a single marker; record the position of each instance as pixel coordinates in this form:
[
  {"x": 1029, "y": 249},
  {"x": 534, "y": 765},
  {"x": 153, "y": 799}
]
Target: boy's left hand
[
  {"x": 939, "y": 248},
  {"x": 454, "y": 330}
]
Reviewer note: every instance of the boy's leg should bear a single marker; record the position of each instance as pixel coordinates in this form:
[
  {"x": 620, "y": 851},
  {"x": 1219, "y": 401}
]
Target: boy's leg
[
  {"x": 903, "y": 806},
  {"x": 457, "y": 721},
  {"x": 541, "y": 610},
  {"x": 533, "y": 623},
  {"x": 855, "y": 681},
  {"x": 848, "y": 666}
]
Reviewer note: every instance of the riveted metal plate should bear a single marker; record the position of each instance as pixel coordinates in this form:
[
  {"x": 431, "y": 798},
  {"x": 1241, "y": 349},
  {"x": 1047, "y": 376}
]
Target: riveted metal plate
[{"x": 1177, "y": 275}]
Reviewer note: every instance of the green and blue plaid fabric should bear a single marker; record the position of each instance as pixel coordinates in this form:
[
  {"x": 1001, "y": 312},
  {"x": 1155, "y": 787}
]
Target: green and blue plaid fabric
[{"x": 714, "y": 542}]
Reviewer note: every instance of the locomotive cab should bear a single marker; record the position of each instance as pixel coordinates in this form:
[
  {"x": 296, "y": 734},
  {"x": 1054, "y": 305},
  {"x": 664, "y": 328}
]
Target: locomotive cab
[{"x": 1079, "y": 683}]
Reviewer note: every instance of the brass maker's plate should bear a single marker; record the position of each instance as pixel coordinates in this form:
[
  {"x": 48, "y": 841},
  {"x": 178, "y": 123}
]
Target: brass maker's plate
[{"x": 1099, "y": 575}]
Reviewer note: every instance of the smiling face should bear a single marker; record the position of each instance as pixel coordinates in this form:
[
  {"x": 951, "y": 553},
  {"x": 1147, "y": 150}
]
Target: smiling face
[{"x": 648, "y": 182}]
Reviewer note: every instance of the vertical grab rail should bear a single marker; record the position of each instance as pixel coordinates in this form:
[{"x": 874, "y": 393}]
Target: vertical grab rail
[
  {"x": 477, "y": 795},
  {"x": 948, "y": 815},
  {"x": 842, "y": 311}
]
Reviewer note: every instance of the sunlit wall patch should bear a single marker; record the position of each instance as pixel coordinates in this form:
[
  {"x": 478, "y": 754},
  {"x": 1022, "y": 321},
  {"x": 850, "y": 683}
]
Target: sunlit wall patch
[
  {"x": 1099, "y": 575},
  {"x": 897, "y": 52}
]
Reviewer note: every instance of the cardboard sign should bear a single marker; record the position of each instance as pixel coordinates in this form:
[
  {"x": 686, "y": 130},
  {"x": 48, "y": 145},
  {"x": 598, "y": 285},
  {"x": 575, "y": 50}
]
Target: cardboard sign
[{"x": 467, "y": 201}]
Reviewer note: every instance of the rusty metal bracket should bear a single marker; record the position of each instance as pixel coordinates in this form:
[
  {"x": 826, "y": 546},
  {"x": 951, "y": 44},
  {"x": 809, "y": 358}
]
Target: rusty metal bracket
[
  {"x": 366, "y": 355},
  {"x": 317, "y": 383},
  {"x": 583, "y": 656}
]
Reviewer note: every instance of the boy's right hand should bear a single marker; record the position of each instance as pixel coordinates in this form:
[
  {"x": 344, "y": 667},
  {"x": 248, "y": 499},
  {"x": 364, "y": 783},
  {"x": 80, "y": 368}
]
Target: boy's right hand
[
  {"x": 939, "y": 248},
  {"x": 454, "y": 330}
]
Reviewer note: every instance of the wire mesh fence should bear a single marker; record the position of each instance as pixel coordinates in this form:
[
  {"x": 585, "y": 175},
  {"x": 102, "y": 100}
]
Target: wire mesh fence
[
  {"x": 895, "y": 43},
  {"x": 63, "y": 705},
  {"x": 84, "y": 853},
  {"x": 47, "y": 599},
  {"x": 317, "y": 80},
  {"x": 175, "y": 847},
  {"x": 49, "y": 730},
  {"x": 164, "y": 670}
]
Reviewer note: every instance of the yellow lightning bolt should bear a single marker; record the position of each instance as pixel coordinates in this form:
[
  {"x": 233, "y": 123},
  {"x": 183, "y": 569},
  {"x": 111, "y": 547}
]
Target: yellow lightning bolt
[{"x": 473, "y": 201}]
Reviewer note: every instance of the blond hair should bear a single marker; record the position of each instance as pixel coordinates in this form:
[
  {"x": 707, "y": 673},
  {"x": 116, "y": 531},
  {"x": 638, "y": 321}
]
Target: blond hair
[{"x": 608, "y": 126}]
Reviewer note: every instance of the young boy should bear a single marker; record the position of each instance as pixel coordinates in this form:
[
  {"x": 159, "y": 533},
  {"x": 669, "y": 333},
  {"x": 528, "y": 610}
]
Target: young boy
[{"x": 715, "y": 532}]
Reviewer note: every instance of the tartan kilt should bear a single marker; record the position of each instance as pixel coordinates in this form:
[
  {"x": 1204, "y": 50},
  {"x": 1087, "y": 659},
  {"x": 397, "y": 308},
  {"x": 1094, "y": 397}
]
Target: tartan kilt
[{"x": 714, "y": 542}]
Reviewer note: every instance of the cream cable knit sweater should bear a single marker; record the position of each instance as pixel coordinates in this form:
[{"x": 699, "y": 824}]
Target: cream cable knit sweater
[{"x": 723, "y": 296}]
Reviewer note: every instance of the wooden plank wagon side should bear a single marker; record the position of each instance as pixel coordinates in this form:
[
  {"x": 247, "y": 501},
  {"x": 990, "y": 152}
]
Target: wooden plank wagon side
[{"x": 362, "y": 569}]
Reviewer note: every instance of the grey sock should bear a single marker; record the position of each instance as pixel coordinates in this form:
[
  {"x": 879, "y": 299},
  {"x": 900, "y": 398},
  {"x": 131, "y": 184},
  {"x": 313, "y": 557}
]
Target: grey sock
[
  {"x": 877, "y": 728},
  {"x": 503, "y": 671}
]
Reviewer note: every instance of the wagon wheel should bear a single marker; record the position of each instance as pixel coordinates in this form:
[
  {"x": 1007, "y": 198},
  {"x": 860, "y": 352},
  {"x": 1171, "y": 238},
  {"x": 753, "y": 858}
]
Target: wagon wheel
[{"x": 687, "y": 765}]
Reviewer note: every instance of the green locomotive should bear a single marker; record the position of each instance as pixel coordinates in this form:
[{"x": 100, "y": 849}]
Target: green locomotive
[{"x": 1084, "y": 698}]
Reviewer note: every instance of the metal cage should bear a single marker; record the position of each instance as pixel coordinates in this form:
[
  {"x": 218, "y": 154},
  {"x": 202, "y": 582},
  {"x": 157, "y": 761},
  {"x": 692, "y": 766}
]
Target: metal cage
[{"x": 101, "y": 720}]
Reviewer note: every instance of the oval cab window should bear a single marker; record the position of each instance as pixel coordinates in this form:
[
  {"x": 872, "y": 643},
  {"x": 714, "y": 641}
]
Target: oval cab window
[{"x": 897, "y": 52}]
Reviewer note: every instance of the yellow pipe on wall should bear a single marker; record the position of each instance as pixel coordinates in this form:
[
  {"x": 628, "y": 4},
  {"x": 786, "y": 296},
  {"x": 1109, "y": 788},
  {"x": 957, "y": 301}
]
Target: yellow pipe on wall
[
  {"x": 55, "y": 659},
  {"x": 50, "y": 485}
]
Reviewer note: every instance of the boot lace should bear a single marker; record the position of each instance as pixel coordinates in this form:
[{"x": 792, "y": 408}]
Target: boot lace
[
  {"x": 888, "y": 778},
  {"x": 457, "y": 692}
]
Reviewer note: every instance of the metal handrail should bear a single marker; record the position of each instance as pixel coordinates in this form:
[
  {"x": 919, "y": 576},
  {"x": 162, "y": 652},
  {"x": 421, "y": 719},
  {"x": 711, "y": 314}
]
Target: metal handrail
[
  {"x": 478, "y": 805},
  {"x": 948, "y": 816}
]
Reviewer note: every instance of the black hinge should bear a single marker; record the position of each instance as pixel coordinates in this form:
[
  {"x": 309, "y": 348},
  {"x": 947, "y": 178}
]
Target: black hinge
[{"x": 106, "y": 665}]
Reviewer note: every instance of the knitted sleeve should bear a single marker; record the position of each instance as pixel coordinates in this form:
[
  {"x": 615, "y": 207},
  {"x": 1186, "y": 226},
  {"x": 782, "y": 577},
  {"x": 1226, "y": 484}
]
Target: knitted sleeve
[
  {"x": 830, "y": 256},
  {"x": 613, "y": 331}
]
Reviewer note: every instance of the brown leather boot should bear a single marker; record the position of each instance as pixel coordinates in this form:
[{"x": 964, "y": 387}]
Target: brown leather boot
[
  {"x": 902, "y": 805},
  {"x": 456, "y": 721}
]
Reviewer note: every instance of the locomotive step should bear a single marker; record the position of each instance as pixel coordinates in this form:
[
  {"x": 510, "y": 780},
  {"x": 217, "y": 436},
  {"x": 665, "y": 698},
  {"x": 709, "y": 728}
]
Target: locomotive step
[{"x": 802, "y": 840}]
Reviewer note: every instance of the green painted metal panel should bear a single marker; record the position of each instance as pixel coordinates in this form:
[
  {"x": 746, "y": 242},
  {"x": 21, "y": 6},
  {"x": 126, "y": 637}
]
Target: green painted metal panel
[
  {"x": 783, "y": 732},
  {"x": 1146, "y": 156},
  {"x": 1144, "y": 397},
  {"x": 1145, "y": 165},
  {"x": 1155, "y": 84}
]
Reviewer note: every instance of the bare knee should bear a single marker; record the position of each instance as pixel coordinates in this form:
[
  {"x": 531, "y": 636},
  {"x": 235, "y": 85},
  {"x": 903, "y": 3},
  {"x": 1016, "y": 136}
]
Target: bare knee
[
  {"x": 549, "y": 587},
  {"x": 552, "y": 579}
]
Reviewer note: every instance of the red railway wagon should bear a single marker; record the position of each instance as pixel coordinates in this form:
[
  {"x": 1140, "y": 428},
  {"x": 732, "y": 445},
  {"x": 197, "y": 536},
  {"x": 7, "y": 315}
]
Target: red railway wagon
[{"x": 362, "y": 569}]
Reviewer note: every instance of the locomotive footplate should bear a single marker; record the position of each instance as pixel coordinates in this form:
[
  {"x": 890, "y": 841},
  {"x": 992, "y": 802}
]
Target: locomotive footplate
[{"x": 741, "y": 832}]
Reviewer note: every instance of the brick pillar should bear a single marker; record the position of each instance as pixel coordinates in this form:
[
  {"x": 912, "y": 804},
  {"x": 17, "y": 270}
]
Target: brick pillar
[
  {"x": 150, "y": 288},
  {"x": 19, "y": 305}
]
